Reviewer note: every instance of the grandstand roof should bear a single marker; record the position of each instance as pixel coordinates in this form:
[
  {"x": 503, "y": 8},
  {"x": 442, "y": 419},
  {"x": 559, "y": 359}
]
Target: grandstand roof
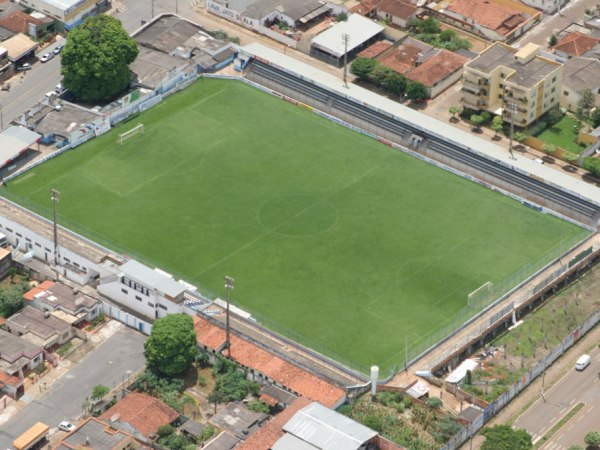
[
  {"x": 426, "y": 123},
  {"x": 14, "y": 141},
  {"x": 358, "y": 28}
]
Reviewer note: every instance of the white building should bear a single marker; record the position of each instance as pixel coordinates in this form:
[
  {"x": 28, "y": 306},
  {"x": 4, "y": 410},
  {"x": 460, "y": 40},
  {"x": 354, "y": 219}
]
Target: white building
[
  {"x": 143, "y": 293},
  {"x": 69, "y": 12}
]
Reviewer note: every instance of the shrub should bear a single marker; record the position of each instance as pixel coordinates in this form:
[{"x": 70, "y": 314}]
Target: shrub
[
  {"x": 258, "y": 406},
  {"x": 434, "y": 402},
  {"x": 165, "y": 430},
  {"x": 592, "y": 165}
]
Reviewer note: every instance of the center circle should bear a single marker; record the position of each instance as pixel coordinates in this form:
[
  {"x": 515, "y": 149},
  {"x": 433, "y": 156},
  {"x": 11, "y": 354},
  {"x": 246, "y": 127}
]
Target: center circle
[{"x": 297, "y": 215}]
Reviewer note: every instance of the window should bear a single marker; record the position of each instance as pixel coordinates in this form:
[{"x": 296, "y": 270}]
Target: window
[
  {"x": 27, "y": 239},
  {"x": 553, "y": 79},
  {"x": 66, "y": 259},
  {"x": 124, "y": 291},
  {"x": 19, "y": 235},
  {"x": 553, "y": 89},
  {"x": 151, "y": 305},
  {"x": 38, "y": 245},
  {"x": 137, "y": 297},
  {"x": 565, "y": 93},
  {"x": 162, "y": 306},
  {"x": 9, "y": 230}
]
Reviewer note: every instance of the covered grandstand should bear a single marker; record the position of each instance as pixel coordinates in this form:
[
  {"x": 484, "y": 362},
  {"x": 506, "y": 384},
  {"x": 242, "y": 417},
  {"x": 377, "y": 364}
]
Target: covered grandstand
[{"x": 459, "y": 150}]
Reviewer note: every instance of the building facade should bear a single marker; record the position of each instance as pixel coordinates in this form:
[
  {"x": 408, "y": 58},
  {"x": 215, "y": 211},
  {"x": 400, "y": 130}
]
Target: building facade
[
  {"x": 69, "y": 13},
  {"x": 519, "y": 84}
]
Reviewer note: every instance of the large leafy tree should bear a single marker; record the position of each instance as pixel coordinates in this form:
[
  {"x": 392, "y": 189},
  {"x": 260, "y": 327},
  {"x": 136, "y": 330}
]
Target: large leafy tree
[
  {"x": 171, "y": 347},
  {"x": 362, "y": 67},
  {"x": 96, "y": 58},
  {"x": 11, "y": 299},
  {"x": 503, "y": 437}
]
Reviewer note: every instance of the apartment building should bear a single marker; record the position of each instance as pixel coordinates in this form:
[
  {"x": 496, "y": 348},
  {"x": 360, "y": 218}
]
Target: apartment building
[{"x": 517, "y": 83}]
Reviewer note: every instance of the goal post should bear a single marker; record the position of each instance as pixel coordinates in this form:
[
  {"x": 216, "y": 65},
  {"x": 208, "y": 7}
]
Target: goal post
[
  {"x": 138, "y": 129},
  {"x": 481, "y": 295}
]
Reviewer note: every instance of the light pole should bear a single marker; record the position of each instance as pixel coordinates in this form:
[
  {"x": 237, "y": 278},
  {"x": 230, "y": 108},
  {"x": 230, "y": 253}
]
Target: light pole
[
  {"x": 55, "y": 196},
  {"x": 512, "y": 108},
  {"x": 229, "y": 287},
  {"x": 1, "y": 118},
  {"x": 345, "y": 38}
]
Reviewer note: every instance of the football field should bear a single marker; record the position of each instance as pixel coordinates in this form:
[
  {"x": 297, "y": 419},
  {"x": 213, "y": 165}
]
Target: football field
[{"x": 328, "y": 234}]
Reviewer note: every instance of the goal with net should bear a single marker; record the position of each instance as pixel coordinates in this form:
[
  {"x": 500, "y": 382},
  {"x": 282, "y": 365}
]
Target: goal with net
[
  {"x": 481, "y": 296},
  {"x": 138, "y": 129}
]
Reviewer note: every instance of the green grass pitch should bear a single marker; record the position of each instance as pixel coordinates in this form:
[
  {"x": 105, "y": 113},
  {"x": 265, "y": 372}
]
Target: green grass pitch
[{"x": 327, "y": 233}]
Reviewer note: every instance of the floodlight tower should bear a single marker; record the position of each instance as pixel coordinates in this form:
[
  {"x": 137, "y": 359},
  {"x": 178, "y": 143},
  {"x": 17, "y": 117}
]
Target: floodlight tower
[
  {"x": 229, "y": 287},
  {"x": 55, "y": 197}
]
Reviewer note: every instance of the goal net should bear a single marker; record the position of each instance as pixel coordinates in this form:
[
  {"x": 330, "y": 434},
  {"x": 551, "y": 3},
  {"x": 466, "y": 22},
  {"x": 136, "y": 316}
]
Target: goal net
[
  {"x": 481, "y": 296},
  {"x": 138, "y": 129}
]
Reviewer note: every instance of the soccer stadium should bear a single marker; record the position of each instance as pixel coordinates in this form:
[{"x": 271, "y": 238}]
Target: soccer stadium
[{"x": 335, "y": 240}]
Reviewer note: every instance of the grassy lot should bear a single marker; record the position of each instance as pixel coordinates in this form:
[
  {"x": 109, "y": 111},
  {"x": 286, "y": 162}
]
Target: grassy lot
[
  {"x": 562, "y": 135},
  {"x": 329, "y": 235}
]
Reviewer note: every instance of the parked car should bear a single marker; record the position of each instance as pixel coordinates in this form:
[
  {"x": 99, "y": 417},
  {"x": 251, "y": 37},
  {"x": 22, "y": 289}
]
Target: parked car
[
  {"x": 25, "y": 66},
  {"x": 58, "y": 49},
  {"x": 59, "y": 88},
  {"x": 66, "y": 426},
  {"x": 46, "y": 57}
]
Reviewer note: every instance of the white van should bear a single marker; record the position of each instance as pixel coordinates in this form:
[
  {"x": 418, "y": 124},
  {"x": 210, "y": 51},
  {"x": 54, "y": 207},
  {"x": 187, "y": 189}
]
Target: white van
[{"x": 583, "y": 362}]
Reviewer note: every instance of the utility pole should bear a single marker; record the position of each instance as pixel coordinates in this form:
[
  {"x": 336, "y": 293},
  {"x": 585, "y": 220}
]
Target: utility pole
[
  {"x": 1, "y": 118},
  {"x": 512, "y": 108},
  {"x": 55, "y": 196},
  {"x": 229, "y": 287},
  {"x": 152, "y": 16},
  {"x": 345, "y": 38}
]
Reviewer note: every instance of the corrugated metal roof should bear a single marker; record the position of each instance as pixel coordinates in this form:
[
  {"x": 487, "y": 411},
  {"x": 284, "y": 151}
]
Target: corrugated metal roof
[
  {"x": 358, "y": 28},
  {"x": 291, "y": 442},
  {"x": 152, "y": 278},
  {"x": 426, "y": 123},
  {"x": 326, "y": 429},
  {"x": 13, "y": 141}
]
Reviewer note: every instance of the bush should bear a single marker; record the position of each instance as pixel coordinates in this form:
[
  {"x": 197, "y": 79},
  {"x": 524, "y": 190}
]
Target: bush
[
  {"x": 258, "y": 406},
  {"x": 207, "y": 433},
  {"x": 592, "y": 438},
  {"x": 165, "y": 430},
  {"x": 434, "y": 402},
  {"x": 373, "y": 422},
  {"x": 538, "y": 127},
  {"x": 341, "y": 17},
  {"x": 346, "y": 410},
  {"x": 592, "y": 165}
]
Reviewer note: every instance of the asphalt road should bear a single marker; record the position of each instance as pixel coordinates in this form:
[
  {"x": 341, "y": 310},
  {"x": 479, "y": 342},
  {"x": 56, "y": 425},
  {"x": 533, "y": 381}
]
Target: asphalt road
[
  {"x": 106, "y": 365},
  {"x": 573, "y": 388},
  {"x": 29, "y": 87},
  {"x": 572, "y": 12}
]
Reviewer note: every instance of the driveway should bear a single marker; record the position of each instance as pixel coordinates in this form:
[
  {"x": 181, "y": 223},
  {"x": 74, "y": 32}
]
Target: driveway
[
  {"x": 108, "y": 364},
  {"x": 575, "y": 387}
]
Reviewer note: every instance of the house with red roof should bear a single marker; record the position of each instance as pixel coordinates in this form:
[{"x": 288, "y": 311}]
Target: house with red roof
[
  {"x": 575, "y": 45},
  {"x": 265, "y": 366},
  {"x": 139, "y": 415},
  {"x": 396, "y": 12}
]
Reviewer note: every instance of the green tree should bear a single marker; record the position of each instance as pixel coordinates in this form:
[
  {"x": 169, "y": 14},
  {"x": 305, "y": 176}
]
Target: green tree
[
  {"x": 584, "y": 105},
  {"x": 552, "y": 40},
  {"x": 395, "y": 83},
  {"x": 592, "y": 438},
  {"x": 548, "y": 149},
  {"x": 520, "y": 137},
  {"x": 341, "y": 17},
  {"x": 497, "y": 125},
  {"x": 11, "y": 299},
  {"x": 503, "y": 437},
  {"x": 592, "y": 165},
  {"x": 380, "y": 75},
  {"x": 447, "y": 35},
  {"x": 595, "y": 118},
  {"x": 477, "y": 120},
  {"x": 99, "y": 391},
  {"x": 362, "y": 67},
  {"x": 258, "y": 406},
  {"x": 216, "y": 397},
  {"x": 569, "y": 157},
  {"x": 171, "y": 347},
  {"x": 416, "y": 91},
  {"x": 427, "y": 26},
  {"x": 95, "y": 60},
  {"x": 454, "y": 110}
]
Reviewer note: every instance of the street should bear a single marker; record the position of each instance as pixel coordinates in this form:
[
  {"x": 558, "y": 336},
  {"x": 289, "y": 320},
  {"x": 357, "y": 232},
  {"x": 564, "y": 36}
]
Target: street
[
  {"x": 28, "y": 87},
  {"x": 573, "y": 388},
  {"x": 109, "y": 364}
]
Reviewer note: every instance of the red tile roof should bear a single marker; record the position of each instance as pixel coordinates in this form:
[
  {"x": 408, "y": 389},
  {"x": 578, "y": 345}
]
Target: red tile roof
[
  {"x": 270, "y": 432},
  {"x": 30, "y": 294},
  {"x": 488, "y": 14},
  {"x": 284, "y": 373},
  {"x": 402, "y": 59},
  {"x": 6, "y": 379},
  {"x": 365, "y": 7},
  {"x": 437, "y": 68},
  {"x": 397, "y": 8},
  {"x": 143, "y": 412},
  {"x": 19, "y": 21},
  {"x": 375, "y": 50},
  {"x": 575, "y": 44}
]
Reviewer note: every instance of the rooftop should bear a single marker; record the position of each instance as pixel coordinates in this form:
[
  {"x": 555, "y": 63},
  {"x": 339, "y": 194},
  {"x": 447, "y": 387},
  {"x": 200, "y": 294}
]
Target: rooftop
[
  {"x": 324, "y": 428},
  {"x": 294, "y": 9},
  {"x": 398, "y": 8},
  {"x": 365, "y": 7},
  {"x": 14, "y": 140},
  {"x": 273, "y": 430},
  {"x": 358, "y": 29},
  {"x": 12, "y": 347},
  {"x": 167, "y": 33},
  {"x": 61, "y": 295},
  {"x": 375, "y": 49},
  {"x": 18, "y": 22},
  {"x": 97, "y": 435},
  {"x": 36, "y": 323},
  {"x": 9, "y": 380},
  {"x": 581, "y": 73},
  {"x": 437, "y": 68},
  {"x": 70, "y": 118},
  {"x": 151, "y": 67},
  {"x": 18, "y": 46},
  {"x": 152, "y": 278},
  {"x": 143, "y": 412},
  {"x": 238, "y": 420},
  {"x": 282, "y": 372},
  {"x": 526, "y": 75},
  {"x": 223, "y": 441},
  {"x": 574, "y": 44},
  {"x": 489, "y": 14}
]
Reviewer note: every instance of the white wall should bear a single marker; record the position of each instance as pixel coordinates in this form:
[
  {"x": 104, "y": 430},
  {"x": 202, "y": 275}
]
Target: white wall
[
  {"x": 114, "y": 311},
  {"x": 445, "y": 83}
]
